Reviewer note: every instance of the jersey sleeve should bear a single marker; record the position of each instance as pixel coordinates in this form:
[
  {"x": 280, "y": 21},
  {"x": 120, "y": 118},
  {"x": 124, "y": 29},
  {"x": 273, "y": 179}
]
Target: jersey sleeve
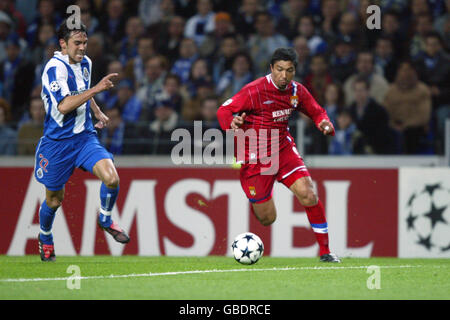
[
  {"x": 240, "y": 102},
  {"x": 55, "y": 82},
  {"x": 310, "y": 107}
]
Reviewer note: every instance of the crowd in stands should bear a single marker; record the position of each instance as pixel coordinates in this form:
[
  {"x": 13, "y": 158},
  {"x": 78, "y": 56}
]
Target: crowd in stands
[{"x": 386, "y": 90}]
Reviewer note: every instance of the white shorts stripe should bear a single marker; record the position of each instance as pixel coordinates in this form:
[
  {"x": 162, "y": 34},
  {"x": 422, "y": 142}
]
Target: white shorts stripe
[{"x": 302, "y": 168}]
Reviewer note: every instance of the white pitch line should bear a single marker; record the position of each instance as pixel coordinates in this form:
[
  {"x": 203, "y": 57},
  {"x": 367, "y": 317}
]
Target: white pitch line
[{"x": 174, "y": 273}]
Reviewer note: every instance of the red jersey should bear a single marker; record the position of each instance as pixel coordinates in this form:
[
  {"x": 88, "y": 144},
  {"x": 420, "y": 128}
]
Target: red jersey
[{"x": 268, "y": 107}]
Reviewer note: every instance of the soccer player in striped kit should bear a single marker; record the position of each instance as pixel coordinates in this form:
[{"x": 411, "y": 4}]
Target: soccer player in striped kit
[
  {"x": 265, "y": 105},
  {"x": 69, "y": 139}
]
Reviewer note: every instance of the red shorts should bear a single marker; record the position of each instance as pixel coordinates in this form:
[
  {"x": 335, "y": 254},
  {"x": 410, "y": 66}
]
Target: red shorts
[{"x": 258, "y": 187}]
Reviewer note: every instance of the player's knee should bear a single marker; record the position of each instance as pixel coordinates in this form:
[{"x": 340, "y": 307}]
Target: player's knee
[
  {"x": 308, "y": 198},
  {"x": 268, "y": 220},
  {"x": 112, "y": 181},
  {"x": 54, "y": 202}
]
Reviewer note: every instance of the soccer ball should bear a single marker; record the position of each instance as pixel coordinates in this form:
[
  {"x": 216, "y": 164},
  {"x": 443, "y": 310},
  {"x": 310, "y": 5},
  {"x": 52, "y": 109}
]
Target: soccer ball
[{"x": 247, "y": 248}]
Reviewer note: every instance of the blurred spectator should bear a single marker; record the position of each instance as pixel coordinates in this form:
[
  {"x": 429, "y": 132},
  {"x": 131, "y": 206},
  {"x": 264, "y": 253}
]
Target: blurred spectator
[
  {"x": 371, "y": 119},
  {"x": 188, "y": 54},
  {"x": 245, "y": 19},
  {"x": 168, "y": 40},
  {"x": 150, "y": 12},
  {"x": 127, "y": 102},
  {"x": 120, "y": 137},
  {"x": 31, "y": 131},
  {"x": 91, "y": 22},
  {"x": 319, "y": 77},
  {"x": 17, "y": 18},
  {"x": 16, "y": 74},
  {"x": 390, "y": 27},
  {"x": 300, "y": 45},
  {"x": 291, "y": 11},
  {"x": 46, "y": 34},
  {"x": 348, "y": 28},
  {"x": 434, "y": 69},
  {"x": 208, "y": 112},
  {"x": 347, "y": 139},
  {"x": 330, "y": 19},
  {"x": 365, "y": 68},
  {"x": 199, "y": 73},
  {"x": 96, "y": 52},
  {"x": 439, "y": 22},
  {"x": 135, "y": 68},
  {"x": 7, "y": 134},
  {"x": 223, "y": 59},
  {"x": 127, "y": 49},
  {"x": 262, "y": 44},
  {"x": 334, "y": 101},
  {"x": 46, "y": 15},
  {"x": 172, "y": 90},
  {"x": 112, "y": 136},
  {"x": 385, "y": 59},
  {"x": 342, "y": 59},
  {"x": 6, "y": 25},
  {"x": 107, "y": 97},
  {"x": 423, "y": 25},
  {"x": 235, "y": 79},
  {"x": 49, "y": 52},
  {"x": 212, "y": 41},
  {"x": 408, "y": 102},
  {"x": 155, "y": 72},
  {"x": 112, "y": 24},
  {"x": 167, "y": 9},
  {"x": 306, "y": 29},
  {"x": 160, "y": 129},
  {"x": 202, "y": 23},
  {"x": 191, "y": 109}
]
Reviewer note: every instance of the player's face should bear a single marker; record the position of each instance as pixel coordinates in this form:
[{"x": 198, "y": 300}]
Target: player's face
[
  {"x": 282, "y": 73},
  {"x": 75, "y": 47}
]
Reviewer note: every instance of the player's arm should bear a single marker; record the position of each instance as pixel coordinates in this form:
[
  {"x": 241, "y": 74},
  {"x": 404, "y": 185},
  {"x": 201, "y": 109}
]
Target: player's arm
[
  {"x": 312, "y": 109},
  {"x": 238, "y": 104},
  {"x": 103, "y": 120},
  {"x": 70, "y": 103}
]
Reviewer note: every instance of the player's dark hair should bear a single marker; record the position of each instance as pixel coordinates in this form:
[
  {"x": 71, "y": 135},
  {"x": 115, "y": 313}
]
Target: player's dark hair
[
  {"x": 65, "y": 31},
  {"x": 284, "y": 54}
]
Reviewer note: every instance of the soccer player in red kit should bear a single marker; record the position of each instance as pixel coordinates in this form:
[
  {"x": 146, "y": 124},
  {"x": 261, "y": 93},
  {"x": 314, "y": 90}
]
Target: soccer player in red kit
[{"x": 265, "y": 105}]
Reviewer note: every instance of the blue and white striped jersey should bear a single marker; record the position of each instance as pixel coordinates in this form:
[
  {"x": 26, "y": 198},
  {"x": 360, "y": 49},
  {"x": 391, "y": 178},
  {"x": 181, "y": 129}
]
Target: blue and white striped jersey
[{"x": 60, "y": 79}]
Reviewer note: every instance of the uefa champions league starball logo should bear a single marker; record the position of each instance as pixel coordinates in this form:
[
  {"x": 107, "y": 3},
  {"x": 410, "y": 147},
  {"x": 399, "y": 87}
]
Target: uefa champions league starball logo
[{"x": 428, "y": 219}]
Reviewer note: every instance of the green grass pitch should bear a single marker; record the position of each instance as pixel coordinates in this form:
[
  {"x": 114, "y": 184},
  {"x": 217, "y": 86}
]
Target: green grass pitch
[{"x": 222, "y": 278}]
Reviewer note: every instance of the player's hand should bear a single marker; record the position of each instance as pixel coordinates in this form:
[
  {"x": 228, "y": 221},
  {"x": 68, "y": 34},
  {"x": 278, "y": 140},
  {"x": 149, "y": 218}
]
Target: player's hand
[
  {"x": 326, "y": 127},
  {"x": 105, "y": 83},
  {"x": 238, "y": 121},
  {"x": 103, "y": 120}
]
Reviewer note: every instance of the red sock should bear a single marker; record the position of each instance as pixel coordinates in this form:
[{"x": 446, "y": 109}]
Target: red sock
[{"x": 316, "y": 217}]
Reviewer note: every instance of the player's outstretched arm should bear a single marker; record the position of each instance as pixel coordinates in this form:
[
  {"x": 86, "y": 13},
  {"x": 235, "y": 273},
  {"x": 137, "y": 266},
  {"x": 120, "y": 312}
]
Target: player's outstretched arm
[{"x": 70, "y": 103}]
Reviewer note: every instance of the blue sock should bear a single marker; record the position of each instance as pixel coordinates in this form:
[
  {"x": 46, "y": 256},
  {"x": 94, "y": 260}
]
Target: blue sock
[
  {"x": 108, "y": 198},
  {"x": 46, "y": 218}
]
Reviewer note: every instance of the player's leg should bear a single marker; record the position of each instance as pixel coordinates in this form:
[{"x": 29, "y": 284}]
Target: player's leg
[
  {"x": 265, "y": 212},
  {"x": 97, "y": 160},
  {"x": 304, "y": 192},
  {"x": 258, "y": 189},
  {"x": 294, "y": 175}
]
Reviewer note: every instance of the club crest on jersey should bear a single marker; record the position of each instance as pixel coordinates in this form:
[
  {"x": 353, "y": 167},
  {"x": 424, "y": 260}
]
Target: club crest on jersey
[
  {"x": 252, "y": 191},
  {"x": 85, "y": 74},
  {"x": 294, "y": 101}
]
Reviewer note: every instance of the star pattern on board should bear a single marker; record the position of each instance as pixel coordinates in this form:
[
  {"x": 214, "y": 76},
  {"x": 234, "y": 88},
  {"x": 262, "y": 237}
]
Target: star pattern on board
[
  {"x": 436, "y": 215},
  {"x": 426, "y": 242}
]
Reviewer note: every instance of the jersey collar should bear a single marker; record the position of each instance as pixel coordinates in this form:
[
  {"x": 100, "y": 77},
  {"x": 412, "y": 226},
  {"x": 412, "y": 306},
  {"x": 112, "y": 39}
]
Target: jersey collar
[{"x": 270, "y": 80}]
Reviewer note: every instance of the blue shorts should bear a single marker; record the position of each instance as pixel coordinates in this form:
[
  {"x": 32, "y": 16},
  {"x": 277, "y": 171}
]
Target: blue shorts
[{"x": 57, "y": 159}]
